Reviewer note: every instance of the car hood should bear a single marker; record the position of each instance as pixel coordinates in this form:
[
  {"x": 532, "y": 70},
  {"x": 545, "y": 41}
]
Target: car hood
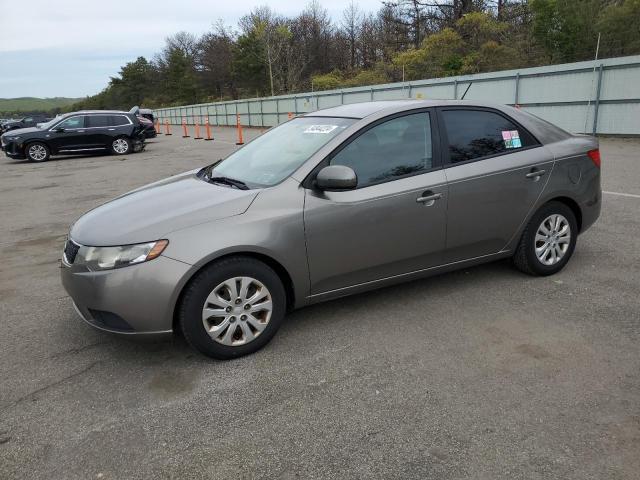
[
  {"x": 18, "y": 131},
  {"x": 151, "y": 212}
]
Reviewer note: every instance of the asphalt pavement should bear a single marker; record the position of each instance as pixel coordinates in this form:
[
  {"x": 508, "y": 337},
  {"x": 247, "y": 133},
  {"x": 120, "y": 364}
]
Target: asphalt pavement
[{"x": 484, "y": 373}]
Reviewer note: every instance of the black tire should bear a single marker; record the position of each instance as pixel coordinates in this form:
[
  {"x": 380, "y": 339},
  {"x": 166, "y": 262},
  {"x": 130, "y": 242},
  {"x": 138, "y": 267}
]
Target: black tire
[
  {"x": 525, "y": 258},
  {"x": 190, "y": 311},
  {"x": 37, "y": 152},
  {"x": 117, "y": 146}
]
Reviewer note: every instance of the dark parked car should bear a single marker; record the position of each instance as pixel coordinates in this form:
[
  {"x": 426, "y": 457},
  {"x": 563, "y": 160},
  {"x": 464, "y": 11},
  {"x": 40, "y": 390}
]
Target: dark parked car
[
  {"x": 146, "y": 113},
  {"x": 77, "y": 132},
  {"x": 26, "y": 122},
  {"x": 331, "y": 203},
  {"x": 149, "y": 128}
]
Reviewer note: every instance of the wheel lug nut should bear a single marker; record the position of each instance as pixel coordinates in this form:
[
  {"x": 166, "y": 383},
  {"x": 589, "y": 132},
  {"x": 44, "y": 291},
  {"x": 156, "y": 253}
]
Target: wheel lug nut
[
  {"x": 238, "y": 301},
  {"x": 243, "y": 317},
  {"x": 228, "y": 309},
  {"x": 232, "y": 319},
  {"x": 247, "y": 306}
]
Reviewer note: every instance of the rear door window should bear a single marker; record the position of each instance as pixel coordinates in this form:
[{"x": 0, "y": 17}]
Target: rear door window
[
  {"x": 475, "y": 134},
  {"x": 100, "y": 121},
  {"x": 118, "y": 120}
]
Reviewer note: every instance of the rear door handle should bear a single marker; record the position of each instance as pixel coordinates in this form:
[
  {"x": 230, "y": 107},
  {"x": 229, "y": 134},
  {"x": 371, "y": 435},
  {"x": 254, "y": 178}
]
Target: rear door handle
[
  {"x": 535, "y": 173},
  {"x": 428, "y": 198}
]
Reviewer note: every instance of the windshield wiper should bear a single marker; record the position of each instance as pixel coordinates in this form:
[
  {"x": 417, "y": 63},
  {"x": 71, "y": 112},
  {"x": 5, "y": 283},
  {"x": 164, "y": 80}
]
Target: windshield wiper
[{"x": 229, "y": 181}]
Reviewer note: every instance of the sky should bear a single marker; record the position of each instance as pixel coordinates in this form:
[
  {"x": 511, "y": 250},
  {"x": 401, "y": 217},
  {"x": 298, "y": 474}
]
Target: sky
[{"x": 70, "y": 48}]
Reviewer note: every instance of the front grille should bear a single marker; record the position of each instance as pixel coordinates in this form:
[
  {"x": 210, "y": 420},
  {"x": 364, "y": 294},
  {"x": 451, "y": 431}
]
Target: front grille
[{"x": 70, "y": 251}]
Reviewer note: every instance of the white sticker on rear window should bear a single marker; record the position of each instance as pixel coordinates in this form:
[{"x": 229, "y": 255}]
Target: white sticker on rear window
[{"x": 320, "y": 128}]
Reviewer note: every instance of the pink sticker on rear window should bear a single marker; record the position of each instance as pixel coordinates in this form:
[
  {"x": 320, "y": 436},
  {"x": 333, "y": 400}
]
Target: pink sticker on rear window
[{"x": 506, "y": 135}]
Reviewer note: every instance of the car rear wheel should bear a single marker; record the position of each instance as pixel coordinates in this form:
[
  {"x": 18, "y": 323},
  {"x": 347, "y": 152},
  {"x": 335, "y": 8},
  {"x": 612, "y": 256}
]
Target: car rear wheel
[
  {"x": 548, "y": 241},
  {"x": 232, "y": 308},
  {"x": 121, "y": 146},
  {"x": 38, "y": 152}
]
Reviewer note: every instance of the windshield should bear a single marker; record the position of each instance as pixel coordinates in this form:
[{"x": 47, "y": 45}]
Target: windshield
[
  {"x": 275, "y": 155},
  {"x": 50, "y": 123}
]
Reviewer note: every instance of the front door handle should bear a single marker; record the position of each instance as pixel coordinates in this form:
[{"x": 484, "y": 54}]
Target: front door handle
[
  {"x": 428, "y": 198},
  {"x": 535, "y": 173}
]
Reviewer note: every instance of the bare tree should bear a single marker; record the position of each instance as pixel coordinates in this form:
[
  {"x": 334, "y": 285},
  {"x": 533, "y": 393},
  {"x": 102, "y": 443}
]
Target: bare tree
[{"x": 351, "y": 24}]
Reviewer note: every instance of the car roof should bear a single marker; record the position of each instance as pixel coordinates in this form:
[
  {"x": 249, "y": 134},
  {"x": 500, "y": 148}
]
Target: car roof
[
  {"x": 99, "y": 111},
  {"x": 544, "y": 131}
]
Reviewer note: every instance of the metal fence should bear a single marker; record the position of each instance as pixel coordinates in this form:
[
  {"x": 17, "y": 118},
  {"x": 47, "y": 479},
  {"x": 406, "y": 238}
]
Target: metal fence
[{"x": 600, "y": 96}]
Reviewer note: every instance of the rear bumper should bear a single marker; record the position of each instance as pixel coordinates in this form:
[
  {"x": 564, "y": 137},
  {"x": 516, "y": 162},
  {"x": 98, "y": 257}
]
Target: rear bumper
[{"x": 134, "y": 300}]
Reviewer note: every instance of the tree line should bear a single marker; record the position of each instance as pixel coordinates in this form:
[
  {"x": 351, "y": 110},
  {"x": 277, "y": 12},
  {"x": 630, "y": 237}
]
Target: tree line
[{"x": 271, "y": 54}]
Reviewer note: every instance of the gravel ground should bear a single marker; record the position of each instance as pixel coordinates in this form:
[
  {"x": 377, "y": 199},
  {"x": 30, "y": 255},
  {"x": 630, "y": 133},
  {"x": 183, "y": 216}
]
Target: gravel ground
[{"x": 484, "y": 373}]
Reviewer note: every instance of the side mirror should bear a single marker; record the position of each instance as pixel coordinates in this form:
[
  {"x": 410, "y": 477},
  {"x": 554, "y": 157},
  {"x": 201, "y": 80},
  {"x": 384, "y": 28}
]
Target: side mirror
[{"x": 336, "y": 177}]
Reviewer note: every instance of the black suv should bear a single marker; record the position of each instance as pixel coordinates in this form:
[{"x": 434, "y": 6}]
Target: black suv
[
  {"x": 26, "y": 122},
  {"x": 77, "y": 132}
]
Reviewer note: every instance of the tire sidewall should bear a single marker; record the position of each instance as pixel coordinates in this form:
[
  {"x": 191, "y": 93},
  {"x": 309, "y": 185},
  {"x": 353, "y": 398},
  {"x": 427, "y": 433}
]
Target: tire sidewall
[
  {"x": 28, "y": 147},
  {"x": 549, "y": 209},
  {"x": 129, "y": 146},
  {"x": 200, "y": 287}
]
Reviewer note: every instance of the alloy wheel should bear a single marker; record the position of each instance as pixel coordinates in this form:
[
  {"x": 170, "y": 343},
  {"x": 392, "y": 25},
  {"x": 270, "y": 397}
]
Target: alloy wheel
[
  {"x": 553, "y": 238},
  {"x": 237, "y": 311},
  {"x": 37, "y": 152},
  {"x": 120, "y": 145}
]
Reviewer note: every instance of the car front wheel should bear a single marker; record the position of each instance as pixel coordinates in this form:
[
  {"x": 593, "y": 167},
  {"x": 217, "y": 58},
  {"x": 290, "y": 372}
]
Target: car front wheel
[
  {"x": 548, "y": 240},
  {"x": 121, "y": 146},
  {"x": 38, "y": 152},
  {"x": 232, "y": 308}
]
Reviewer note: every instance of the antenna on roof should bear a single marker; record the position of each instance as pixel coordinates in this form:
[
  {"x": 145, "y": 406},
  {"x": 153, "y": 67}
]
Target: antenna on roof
[{"x": 465, "y": 92}]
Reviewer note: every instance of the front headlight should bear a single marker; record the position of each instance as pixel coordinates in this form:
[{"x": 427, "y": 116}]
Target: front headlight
[{"x": 105, "y": 258}]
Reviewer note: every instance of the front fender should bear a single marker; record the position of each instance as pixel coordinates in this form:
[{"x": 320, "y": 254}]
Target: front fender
[{"x": 272, "y": 227}]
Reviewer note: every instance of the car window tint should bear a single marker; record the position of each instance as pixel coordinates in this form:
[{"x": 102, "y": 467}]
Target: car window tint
[
  {"x": 118, "y": 120},
  {"x": 73, "y": 122},
  {"x": 100, "y": 121},
  {"x": 475, "y": 133},
  {"x": 395, "y": 148}
]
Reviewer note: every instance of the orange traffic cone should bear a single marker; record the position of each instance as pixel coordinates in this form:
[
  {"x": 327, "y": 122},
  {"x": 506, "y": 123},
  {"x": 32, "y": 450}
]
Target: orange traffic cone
[
  {"x": 239, "y": 127},
  {"x": 197, "y": 131},
  {"x": 185, "y": 134},
  {"x": 167, "y": 130},
  {"x": 208, "y": 129}
]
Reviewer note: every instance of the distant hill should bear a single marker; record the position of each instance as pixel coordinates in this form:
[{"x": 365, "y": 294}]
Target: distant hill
[{"x": 14, "y": 106}]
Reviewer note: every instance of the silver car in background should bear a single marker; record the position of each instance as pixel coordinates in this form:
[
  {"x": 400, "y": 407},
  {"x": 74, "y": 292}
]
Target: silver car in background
[{"x": 331, "y": 203}]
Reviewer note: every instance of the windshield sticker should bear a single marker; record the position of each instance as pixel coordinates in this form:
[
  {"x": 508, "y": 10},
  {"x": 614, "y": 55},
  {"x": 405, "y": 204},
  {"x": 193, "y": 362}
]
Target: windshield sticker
[
  {"x": 320, "y": 128},
  {"x": 511, "y": 139}
]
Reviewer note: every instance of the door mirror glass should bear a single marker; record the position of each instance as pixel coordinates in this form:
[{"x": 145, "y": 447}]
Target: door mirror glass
[{"x": 336, "y": 177}]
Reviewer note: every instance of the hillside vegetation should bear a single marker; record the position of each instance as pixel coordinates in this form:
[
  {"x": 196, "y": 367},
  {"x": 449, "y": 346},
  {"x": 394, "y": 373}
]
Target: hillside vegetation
[{"x": 10, "y": 107}]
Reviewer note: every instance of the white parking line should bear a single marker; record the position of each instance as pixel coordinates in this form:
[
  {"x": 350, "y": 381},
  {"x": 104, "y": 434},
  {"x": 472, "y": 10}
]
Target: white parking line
[{"x": 632, "y": 195}]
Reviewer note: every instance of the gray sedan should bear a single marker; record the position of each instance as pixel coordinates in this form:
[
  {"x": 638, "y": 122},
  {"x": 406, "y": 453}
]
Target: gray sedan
[{"x": 331, "y": 203}]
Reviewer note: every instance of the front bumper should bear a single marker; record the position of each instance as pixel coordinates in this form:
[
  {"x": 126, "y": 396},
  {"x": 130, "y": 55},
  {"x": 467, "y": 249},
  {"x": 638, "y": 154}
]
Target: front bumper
[
  {"x": 138, "y": 299},
  {"x": 13, "y": 150}
]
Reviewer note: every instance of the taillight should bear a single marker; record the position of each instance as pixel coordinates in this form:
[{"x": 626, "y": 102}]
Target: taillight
[{"x": 594, "y": 155}]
